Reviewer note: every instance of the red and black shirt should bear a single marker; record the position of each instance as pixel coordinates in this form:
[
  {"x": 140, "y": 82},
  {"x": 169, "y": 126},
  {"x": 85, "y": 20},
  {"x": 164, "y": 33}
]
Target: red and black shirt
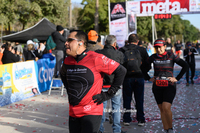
[
  {"x": 164, "y": 65},
  {"x": 84, "y": 79}
]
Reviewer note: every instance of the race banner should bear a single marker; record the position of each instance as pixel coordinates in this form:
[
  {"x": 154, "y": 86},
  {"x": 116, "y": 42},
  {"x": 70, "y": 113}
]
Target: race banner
[
  {"x": 175, "y": 7},
  {"x": 118, "y": 22},
  {"x": 18, "y": 81},
  {"x": 132, "y": 19}
]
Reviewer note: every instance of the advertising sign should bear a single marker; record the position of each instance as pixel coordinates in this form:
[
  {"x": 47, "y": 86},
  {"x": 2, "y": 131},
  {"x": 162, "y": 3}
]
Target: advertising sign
[
  {"x": 149, "y": 8},
  {"x": 18, "y": 81},
  {"x": 118, "y": 22}
]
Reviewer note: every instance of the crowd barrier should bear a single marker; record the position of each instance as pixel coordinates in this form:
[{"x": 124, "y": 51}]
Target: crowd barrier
[{"x": 22, "y": 80}]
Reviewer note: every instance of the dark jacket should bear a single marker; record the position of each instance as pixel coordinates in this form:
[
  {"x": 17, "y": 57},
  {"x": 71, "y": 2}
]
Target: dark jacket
[
  {"x": 31, "y": 55},
  {"x": 144, "y": 56},
  {"x": 190, "y": 58},
  {"x": 9, "y": 57},
  {"x": 113, "y": 54},
  {"x": 59, "y": 40}
]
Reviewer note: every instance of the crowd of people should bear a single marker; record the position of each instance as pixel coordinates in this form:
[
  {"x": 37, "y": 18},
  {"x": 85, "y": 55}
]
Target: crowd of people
[{"x": 93, "y": 74}]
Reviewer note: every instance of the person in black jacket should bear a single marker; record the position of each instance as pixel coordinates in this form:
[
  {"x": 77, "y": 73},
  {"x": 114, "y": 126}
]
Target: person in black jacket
[
  {"x": 188, "y": 54},
  {"x": 111, "y": 52},
  {"x": 134, "y": 82},
  {"x": 8, "y": 56},
  {"x": 60, "y": 40}
]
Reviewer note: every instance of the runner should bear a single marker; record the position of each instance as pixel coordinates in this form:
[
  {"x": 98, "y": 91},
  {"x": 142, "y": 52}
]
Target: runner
[
  {"x": 164, "y": 84},
  {"x": 82, "y": 74}
]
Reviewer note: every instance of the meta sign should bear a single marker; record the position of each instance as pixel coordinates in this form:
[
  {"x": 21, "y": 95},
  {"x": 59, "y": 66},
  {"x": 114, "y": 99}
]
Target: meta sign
[{"x": 164, "y": 7}]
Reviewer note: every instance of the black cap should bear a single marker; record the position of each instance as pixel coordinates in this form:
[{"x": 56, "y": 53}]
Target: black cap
[{"x": 59, "y": 28}]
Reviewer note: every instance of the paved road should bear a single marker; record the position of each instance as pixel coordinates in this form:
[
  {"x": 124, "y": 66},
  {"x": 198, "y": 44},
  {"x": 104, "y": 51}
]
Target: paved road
[{"x": 47, "y": 114}]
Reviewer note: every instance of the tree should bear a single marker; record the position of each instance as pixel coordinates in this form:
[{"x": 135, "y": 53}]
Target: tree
[{"x": 86, "y": 15}]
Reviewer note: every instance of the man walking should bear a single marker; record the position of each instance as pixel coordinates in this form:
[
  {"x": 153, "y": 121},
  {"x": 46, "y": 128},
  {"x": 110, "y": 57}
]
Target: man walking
[
  {"x": 134, "y": 79},
  {"x": 82, "y": 74},
  {"x": 111, "y": 52}
]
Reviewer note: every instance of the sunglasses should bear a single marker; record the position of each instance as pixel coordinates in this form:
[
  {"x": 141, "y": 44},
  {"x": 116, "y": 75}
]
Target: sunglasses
[{"x": 71, "y": 39}]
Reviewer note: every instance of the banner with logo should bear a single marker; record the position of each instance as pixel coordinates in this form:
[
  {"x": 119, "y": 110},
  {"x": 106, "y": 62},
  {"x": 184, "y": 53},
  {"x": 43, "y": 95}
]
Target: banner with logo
[
  {"x": 18, "y": 81},
  {"x": 45, "y": 73},
  {"x": 149, "y": 8},
  {"x": 132, "y": 19},
  {"x": 118, "y": 22}
]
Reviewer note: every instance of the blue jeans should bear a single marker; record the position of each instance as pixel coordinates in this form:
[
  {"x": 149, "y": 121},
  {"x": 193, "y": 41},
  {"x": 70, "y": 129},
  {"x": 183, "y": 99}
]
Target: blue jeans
[
  {"x": 116, "y": 113},
  {"x": 136, "y": 86}
]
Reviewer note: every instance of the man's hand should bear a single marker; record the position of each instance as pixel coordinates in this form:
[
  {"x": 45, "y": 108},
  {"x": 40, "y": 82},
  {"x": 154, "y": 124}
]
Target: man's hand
[{"x": 100, "y": 98}]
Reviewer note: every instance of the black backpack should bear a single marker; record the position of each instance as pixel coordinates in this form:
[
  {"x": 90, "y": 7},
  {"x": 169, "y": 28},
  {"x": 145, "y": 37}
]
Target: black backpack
[{"x": 132, "y": 60}]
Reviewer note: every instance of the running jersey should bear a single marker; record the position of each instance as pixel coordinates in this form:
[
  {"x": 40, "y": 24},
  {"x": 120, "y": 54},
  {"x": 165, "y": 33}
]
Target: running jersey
[
  {"x": 178, "y": 46},
  {"x": 84, "y": 80},
  {"x": 169, "y": 47},
  {"x": 163, "y": 64}
]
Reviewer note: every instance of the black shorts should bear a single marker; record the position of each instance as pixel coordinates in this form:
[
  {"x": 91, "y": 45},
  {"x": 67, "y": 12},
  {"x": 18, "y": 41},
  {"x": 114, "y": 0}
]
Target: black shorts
[{"x": 164, "y": 94}]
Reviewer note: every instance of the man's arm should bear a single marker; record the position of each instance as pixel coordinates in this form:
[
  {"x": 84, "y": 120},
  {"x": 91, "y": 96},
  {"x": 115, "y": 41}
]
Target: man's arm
[{"x": 119, "y": 75}]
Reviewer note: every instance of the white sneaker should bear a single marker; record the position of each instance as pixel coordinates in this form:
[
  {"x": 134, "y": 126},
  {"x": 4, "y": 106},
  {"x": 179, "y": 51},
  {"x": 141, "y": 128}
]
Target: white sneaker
[
  {"x": 126, "y": 124},
  {"x": 171, "y": 131},
  {"x": 141, "y": 123}
]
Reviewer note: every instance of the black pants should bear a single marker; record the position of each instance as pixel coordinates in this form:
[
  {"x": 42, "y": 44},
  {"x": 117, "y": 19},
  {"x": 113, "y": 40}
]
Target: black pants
[
  {"x": 192, "y": 68},
  {"x": 85, "y": 124}
]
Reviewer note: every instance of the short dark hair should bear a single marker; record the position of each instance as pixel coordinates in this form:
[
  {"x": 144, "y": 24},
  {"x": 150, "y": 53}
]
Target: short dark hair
[
  {"x": 81, "y": 35},
  {"x": 6, "y": 46},
  {"x": 99, "y": 38},
  {"x": 133, "y": 38}
]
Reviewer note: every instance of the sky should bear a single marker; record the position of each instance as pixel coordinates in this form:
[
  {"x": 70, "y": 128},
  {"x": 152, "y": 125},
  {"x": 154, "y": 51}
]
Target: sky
[{"x": 193, "y": 18}]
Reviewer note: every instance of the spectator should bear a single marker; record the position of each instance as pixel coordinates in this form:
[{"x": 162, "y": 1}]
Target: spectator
[
  {"x": 99, "y": 41},
  {"x": 20, "y": 49},
  {"x": 111, "y": 52},
  {"x": 46, "y": 54},
  {"x": 60, "y": 40},
  {"x": 82, "y": 75},
  {"x": 188, "y": 54},
  {"x": 8, "y": 56},
  {"x": 1, "y": 54},
  {"x": 31, "y": 54},
  {"x": 92, "y": 41},
  {"x": 134, "y": 80},
  {"x": 36, "y": 43}
]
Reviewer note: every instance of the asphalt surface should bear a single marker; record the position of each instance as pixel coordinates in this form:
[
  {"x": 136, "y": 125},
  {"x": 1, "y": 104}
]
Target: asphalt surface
[{"x": 49, "y": 114}]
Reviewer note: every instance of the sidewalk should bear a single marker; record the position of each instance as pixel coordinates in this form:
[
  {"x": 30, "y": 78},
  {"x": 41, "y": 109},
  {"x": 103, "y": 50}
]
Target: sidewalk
[{"x": 47, "y": 114}]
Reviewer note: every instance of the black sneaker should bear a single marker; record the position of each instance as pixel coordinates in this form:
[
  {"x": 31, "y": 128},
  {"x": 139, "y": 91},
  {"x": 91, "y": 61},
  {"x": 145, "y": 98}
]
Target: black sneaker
[
  {"x": 141, "y": 123},
  {"x": 192, "y": 81},
  {"x": 123, "y": 131}
]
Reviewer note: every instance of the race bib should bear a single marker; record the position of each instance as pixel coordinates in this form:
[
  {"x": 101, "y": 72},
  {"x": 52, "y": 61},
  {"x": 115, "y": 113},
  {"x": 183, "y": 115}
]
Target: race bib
[{"x": 162, "y": 83}]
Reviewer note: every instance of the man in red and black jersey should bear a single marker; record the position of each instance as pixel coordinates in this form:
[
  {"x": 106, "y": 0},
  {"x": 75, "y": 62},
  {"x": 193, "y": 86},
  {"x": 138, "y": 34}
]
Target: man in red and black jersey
[
  {"x": 164, "y": 83},
  {"x": 82, "y": 74}
]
